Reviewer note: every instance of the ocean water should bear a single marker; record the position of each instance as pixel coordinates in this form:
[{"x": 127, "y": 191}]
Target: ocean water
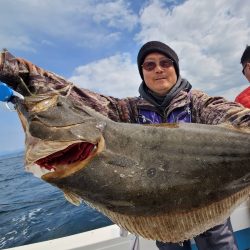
[{"x": 32, "y": 210}]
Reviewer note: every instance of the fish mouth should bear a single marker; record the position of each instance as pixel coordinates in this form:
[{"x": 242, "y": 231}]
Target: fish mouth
[
  {"x": 66, "y": 161},
  {"x": 76, "y": 152}
]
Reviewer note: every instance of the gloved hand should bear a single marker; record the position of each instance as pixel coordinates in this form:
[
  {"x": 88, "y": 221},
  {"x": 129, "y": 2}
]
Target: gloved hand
[{"x": 7, "y": 94}]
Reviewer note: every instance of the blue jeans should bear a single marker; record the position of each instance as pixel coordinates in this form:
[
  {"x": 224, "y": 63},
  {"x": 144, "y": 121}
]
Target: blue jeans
[{"x": 217, "y": 238}]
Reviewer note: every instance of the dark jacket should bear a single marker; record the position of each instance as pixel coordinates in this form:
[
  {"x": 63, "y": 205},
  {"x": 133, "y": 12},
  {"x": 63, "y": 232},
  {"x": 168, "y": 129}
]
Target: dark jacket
[{"x": 205, "y": 109}]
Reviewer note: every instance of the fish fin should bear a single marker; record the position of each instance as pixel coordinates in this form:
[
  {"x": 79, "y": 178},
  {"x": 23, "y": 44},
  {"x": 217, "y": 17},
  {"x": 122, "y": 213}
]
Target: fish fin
[{"x": 72, "y": 198}]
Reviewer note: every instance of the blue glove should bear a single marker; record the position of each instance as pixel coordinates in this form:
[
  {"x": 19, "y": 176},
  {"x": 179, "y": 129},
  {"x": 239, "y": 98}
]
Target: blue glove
[{"x": 7, "y": 93}]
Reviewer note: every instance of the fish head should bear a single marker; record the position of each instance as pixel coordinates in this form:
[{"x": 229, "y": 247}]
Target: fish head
[
  {"x": 61, "y": 137},
  {"x": 62, "y": 134}
]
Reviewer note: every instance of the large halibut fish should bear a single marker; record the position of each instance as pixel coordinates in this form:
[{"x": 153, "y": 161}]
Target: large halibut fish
[{"x": 166, "y": 183}]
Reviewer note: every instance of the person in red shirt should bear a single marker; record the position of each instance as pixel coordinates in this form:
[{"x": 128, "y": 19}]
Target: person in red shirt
[{"x": 244, "y": 96}]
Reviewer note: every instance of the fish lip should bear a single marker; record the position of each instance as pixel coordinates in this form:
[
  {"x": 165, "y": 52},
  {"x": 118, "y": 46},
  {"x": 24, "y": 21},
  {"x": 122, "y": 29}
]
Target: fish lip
[{"x": 71, "y": 168}]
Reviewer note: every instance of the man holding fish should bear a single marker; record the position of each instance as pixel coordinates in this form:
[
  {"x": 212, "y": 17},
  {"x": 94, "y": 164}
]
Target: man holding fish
[
  {"x": 167, "y": 182},
  {"x": 169, "y": 97}
]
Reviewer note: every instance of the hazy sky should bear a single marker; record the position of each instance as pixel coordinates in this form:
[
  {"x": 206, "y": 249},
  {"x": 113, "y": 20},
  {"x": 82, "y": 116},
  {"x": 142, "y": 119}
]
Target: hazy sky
[{"x": 94, "y": 43}]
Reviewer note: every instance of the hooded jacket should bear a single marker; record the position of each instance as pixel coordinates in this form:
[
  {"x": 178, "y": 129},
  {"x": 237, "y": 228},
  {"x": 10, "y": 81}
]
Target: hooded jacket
[{"x": 204, "y": 108}]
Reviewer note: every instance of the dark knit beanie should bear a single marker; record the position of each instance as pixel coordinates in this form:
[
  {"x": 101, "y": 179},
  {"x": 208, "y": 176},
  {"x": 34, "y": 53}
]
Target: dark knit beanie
[
  {"x": 246, "y": 55},
  {"x": 155, "y": 46}
]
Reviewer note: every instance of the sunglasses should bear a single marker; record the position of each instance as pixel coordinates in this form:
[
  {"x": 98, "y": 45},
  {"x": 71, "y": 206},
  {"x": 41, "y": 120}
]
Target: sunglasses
[{"x": 151, "y": 65}]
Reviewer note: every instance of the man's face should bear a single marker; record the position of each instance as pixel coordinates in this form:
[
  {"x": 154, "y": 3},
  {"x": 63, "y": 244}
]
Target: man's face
[
  {"x": 246, "y": 71},
  {"x": 161, "y": 78}
]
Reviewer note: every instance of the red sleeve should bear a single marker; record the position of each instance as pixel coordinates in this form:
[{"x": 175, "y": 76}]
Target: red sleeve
[{"x": 244, "y": 98}]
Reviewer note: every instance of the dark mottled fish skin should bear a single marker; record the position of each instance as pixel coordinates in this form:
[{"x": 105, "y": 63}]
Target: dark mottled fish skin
[
  {"x": 141, "y": 175},
  {"x": 148, "y": 170}
]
